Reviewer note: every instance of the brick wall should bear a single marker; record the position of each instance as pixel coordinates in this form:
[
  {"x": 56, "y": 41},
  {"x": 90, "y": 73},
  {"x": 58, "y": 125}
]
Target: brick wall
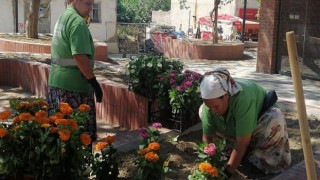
[
  {"x": 101, "y": 51},
  {"x": 119, "y": 107},
  {"x": 267, "y": 46}
]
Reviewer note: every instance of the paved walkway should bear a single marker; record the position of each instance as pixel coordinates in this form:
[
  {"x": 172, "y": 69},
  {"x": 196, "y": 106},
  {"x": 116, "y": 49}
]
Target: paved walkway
[{"x": 126, "y": 140}]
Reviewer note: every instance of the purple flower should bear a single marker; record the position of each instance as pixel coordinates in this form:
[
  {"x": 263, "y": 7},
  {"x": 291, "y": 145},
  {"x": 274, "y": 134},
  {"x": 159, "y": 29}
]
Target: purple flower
[
  {"x": 210, "y": 149},
  {"x": 173, "y": 83},
  {"x": 172, "y": 75},
  {"x": 187, "y": 84},
  {"x": 157, "y": 125},
  {"x": 143, "y": 133}
]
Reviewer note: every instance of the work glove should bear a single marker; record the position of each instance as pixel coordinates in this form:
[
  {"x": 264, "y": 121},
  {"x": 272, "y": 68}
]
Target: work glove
[{"x": 97, "y": 89}]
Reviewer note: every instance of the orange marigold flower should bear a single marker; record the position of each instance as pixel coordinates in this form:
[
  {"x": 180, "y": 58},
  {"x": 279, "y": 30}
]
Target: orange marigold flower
[
  {"x": 61, "y": 121},
  {"x": 205, "y": 166},
  {"x": 84, "y": 108},
  {"x": 65, "y": 108},
  {"x": 44, "y": 103},
  {"x": 23, "y": 105},
  {"x": 101, "y": 145},
  {"x": 53, "y": 119},
  {"x": 154, "y": 146},
  {"x": 85, "y": 139},
  {"x": 15, "y": 128},
  {"x": 45, "y": 125},
  {"x": 144, "y": 151},
  {"x": 151, "y": 156},
  {"x": 3, "y": 132},
  {"x": 59, "y": 115},
  {"x": 5, "y": 114},
  {"x": 110, "y": 139},
  {"x": 41, "y": 113},
  {"x": 25, "y": 117},
  {"x": 73, "y": 124},
  {"x": 53, "y": 130},
  {"x": 16, "y": 120},
  {"x": 64, "y": 134},
  {"x": 213, "y": 172}
]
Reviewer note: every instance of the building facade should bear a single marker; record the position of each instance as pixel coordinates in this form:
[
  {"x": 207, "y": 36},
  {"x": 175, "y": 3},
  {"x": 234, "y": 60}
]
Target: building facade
[{"x": 102, "y": 27}]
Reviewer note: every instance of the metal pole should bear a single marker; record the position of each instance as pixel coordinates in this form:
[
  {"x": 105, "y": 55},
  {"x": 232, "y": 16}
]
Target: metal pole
[
  {"x": 244, "y": 19},
  {"x": 16, "y": 14}
]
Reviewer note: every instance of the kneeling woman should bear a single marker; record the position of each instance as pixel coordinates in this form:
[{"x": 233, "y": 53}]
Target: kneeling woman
[{"x": 231, "y": 110}]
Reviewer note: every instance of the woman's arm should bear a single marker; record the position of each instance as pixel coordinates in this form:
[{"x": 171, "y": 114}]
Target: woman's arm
[
  {"x": 238, "y": 152},
  {"x": 83, "y": 64}
]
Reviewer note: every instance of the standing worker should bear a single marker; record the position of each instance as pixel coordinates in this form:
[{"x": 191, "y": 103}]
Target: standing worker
[{"x": 71, "y": 77}]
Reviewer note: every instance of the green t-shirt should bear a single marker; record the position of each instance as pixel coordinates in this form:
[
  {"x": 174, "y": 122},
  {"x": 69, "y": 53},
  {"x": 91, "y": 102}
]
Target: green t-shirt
[
  {"x": 71, "y": 36},
  {"x": 242, "y": 115}
]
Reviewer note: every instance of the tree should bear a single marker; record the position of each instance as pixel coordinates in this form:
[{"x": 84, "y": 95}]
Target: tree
[
  {"x": 139, "y": 11},
  {"x": 32, "y": 21}
]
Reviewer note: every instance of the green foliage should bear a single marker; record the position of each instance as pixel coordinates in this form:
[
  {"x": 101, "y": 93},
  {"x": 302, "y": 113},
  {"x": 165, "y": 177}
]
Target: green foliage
[
  {"x": 150, "y": 163},
  {"x": 106, "y": 164},
  {"x": 145, "y": 74},
  {"x": 140, "y": 11},
  {"x": 211, "y": 162}
]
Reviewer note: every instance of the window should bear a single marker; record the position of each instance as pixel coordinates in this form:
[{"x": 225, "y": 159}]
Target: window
[{"x": 96, "y": 13}]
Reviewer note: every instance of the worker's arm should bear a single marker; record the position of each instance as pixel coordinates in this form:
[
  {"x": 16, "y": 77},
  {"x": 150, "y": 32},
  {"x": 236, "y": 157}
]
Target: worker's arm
[
  {"x": 83, "y": 64},
  {"x": 238, "y": 152}
]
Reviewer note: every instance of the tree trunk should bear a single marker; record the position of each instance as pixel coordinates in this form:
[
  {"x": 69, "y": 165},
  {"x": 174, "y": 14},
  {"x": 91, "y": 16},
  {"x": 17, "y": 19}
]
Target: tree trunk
[
  {"x": 215, "y": 21},
  {"x": 32, "y": 21}
]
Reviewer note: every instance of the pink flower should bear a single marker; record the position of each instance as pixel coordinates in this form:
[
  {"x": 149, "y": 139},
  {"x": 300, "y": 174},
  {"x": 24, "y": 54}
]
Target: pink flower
[
  {"x": 187, "y": 84},
  {"x": 210, "y": 149},
  {"x": 181, "y": 88},
  {"x": 157, "y": 125}
]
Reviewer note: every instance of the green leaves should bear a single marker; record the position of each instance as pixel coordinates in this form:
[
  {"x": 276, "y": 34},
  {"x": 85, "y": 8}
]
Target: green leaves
[{"x": 139, "y": 11}]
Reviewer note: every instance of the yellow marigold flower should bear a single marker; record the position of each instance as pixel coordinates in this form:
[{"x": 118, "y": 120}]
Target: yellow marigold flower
[
  {"x": 64, "y": 134},
  {"x": 110, "y": 139},
  {"x": 3, "y": 132},
  {"x": 73, "y": 124},
  {"x": 45, "y": 125},
  {"x": 41, "y": 113},
  {"x": 65, "y": 108},
  {"x": 60, "y": 115},
  {"x": 61, "y": 121},
  {"x": 144, "y": 151},
  {"x": 5, "y": 114},
  {"x": 85, "y": 139},
  {"x": 213, "y": 172},
  {"x": 26, "y": 117},
  {"x": 205, "y": 167},
  {"x": 16, "y": 120},
  {"x": 154, "y": 146},
  {"x": 84, "y": 108},
  {"x": 101, "y": 145},
  {"x": 151, "y": 156},
  {"x": 53, "y": 130}
]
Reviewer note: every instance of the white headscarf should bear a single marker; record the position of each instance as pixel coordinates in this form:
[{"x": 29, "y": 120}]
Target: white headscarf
[{"x": 218, "y": 82}]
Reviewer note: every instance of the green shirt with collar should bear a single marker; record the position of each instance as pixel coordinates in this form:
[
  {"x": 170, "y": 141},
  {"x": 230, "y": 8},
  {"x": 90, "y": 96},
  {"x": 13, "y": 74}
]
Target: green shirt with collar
[
  {"x": 242, "y": 115},
  {"x": 71, "y": 36}
]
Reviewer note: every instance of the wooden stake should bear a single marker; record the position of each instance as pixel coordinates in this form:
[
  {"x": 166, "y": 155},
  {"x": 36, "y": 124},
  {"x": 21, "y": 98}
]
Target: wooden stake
[{"x": 301, "y": 107}]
